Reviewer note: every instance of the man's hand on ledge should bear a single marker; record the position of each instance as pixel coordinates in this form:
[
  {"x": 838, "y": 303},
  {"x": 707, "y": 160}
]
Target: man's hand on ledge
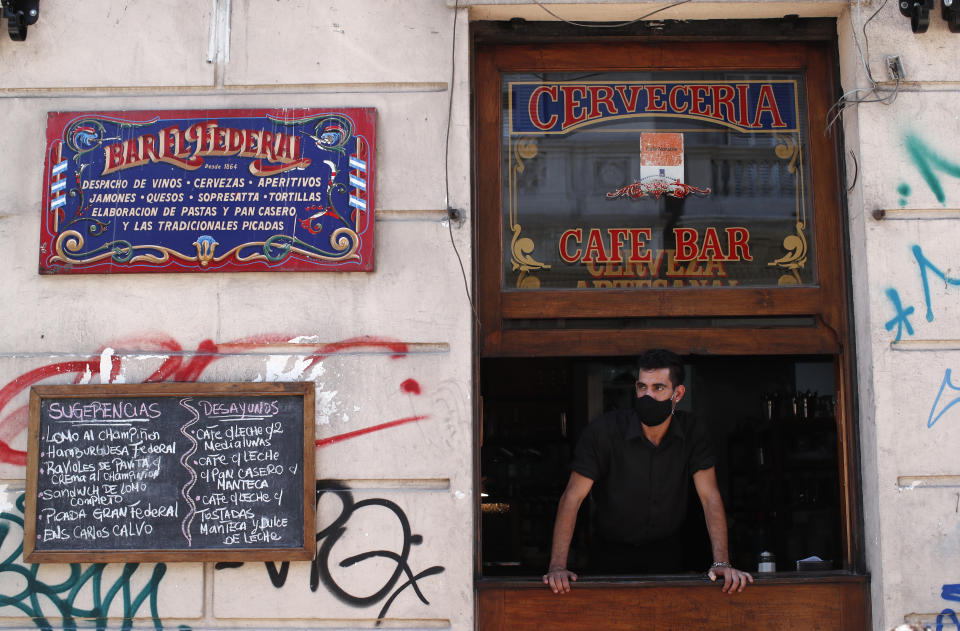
[
  {"x": 559, "y": 578},
  {"x": 733, "y": 579}
]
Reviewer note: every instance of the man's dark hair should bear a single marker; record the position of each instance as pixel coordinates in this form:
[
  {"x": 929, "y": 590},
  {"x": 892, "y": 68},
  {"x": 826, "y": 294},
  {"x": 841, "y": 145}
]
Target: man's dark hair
[{"x": 657, "y": 358}]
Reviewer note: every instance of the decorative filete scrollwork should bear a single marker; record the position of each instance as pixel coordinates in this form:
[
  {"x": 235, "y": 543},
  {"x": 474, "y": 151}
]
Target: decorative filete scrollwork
[
  {"x": 521, "y": 248},
  {"x": 788, "y": 148}
]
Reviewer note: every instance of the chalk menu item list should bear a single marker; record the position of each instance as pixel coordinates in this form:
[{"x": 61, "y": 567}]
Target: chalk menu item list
[{"x": 176, "y": 471}]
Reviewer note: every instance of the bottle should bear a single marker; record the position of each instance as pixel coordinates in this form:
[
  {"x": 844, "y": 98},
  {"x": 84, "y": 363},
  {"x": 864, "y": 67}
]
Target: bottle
[
  {"x": 768, "y": 562},
  {"x": 770, "y": 404}
]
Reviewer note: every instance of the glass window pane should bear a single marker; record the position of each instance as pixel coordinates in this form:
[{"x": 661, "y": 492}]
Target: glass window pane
[{"x": 655, "y": 179}]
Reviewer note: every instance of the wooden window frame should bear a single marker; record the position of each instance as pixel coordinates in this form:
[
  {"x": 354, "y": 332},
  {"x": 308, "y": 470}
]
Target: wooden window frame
[
  {"x": 567, "y": 311},
  {"x": 825, "y": 302}
]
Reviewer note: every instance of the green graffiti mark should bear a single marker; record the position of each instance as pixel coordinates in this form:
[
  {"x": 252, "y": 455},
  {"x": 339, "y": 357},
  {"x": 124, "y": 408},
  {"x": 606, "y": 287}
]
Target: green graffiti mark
[
  {"x": 904, "y": 190},
  {"x": 85, "y": 585},
  {"x": 928, "y": 162}
]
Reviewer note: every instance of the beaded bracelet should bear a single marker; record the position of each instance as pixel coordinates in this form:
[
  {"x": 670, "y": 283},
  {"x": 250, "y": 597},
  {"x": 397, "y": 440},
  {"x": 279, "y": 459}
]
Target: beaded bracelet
[{"x": 717, "y": 564}]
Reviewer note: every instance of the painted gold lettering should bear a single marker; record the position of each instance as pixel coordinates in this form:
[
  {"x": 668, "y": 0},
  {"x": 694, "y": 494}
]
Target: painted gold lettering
[
  {"x": 638, "y": 239},
  {"x": 723, "y": 108},
  {"x": 533, "y": 106},
  {"x": 113, "y": 158},
  {"x": 617, "y": 235},
  {"x": 676, "y": 92},
  {"x": 699, "y": 101},
  {"x": 574, "y": 111},
  {"x": 577, "y": 234},
  {"x": 630, "y": 102},
  {"x": 767, "y": 103},
  {"x": 655, "y": 94},
  {"x": 601, "y": 95},
  {"x": 595, "y": 250},
  {"x": 743, "y": 93},
  {"x": 738, "y": 244},
  {"x": 686, "y": 243},
  {"x": 710, "y": 249}
]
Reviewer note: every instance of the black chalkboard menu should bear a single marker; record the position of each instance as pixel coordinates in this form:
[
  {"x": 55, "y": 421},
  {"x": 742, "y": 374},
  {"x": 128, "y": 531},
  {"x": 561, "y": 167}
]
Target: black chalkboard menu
[{"x": 170, "y": 472}]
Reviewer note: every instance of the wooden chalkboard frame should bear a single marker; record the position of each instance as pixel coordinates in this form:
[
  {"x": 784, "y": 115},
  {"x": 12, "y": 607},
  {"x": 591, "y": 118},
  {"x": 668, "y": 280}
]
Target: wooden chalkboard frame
[{"x": 172, "y": 389}]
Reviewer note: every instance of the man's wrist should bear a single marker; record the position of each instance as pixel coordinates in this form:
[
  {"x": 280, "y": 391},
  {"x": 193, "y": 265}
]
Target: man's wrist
[
  {"x": 556, "y": 567},
  {"x": 717, "y": 564}
]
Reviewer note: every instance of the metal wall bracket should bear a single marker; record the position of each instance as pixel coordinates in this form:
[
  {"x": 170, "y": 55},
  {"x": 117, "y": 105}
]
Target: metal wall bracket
[
  {"x": 20, "y": 14},
  {"x": 919, "y": 13},
  {"x": 950, "y": 11}
]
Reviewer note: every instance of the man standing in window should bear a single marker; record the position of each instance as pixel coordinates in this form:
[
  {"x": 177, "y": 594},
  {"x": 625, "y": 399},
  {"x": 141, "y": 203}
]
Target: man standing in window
[{"x": 637, "y": 464}]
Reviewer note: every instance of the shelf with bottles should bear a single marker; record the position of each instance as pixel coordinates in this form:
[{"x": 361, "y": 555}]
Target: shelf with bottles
[
  {"x": 788, "y": 445},
  {"x": 797, "y": 406},
  {"x": 517, "y": 534},
  {"x": 515, "y": 422}
]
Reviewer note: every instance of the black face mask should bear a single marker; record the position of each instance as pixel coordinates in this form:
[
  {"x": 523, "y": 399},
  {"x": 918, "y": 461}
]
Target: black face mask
[{"x": 651, "y": 411}]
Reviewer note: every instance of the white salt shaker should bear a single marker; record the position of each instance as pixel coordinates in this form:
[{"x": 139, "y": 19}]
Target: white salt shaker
[{"x": 768, "y": 562}]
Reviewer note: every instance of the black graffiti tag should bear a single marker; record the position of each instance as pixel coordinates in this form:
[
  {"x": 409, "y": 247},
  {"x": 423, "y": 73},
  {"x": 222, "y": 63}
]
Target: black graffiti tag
[{"x": 327, "y": 538}]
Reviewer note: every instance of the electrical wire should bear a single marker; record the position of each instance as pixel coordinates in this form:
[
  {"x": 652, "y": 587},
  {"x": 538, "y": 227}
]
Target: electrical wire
[
  {"x": 446, "y": 138},
  {"x": 856, "y": 171},
  {"x": 883, "y": 95},
  {"x": 617, "y": 25},
  {"x": 446, "y": 159},
  {"x": 843, "y": 103},
  {"x": 463, "y": 272},
  {"x": 866, "y": 39},
  {"x": 874, "y": 88}
]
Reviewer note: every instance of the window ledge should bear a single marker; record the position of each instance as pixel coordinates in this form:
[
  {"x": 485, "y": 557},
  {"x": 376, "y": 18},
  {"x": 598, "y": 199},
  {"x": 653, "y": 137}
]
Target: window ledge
[{"x": 674, "y": 580}]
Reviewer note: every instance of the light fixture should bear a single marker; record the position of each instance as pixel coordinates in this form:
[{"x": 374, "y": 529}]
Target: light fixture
[
  {"x": 950, "y": 12},
  {"x": 20, "y": 14},
  {"x": 919, "y": 13}
]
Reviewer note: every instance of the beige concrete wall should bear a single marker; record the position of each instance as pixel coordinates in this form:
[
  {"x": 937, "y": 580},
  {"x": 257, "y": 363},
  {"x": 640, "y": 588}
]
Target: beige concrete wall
[
  {"x": 392, "y": 345},
  {"x": 395, "y": 56},
  {"x": 910, "y": 484}
]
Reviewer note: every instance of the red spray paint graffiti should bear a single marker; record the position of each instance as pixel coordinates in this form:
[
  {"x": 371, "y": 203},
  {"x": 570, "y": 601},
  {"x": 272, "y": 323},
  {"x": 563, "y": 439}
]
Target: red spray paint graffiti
[
  {"x": 323, "y": 442},
  {"x": 175, "y": 368},
  {"x": 411, "y": 386}
]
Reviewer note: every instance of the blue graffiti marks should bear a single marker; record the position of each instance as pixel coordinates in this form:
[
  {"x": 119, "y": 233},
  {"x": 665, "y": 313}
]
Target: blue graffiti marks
[
  {"x": 931, "y": 420},
  {"x": 926, "y": 265},
  {"x": 901, "y": 318},
  {"x": 87, "y": 585},
  {"x": 949, "y": 592},
  {"x": 950, "y": 613},
  {"x": 321, "y": 572},
  {"x": 928, "y": 162}
]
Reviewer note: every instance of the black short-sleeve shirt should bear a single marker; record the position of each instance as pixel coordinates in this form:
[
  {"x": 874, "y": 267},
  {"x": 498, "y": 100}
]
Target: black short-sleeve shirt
[{"x": 640, "y": 490}]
